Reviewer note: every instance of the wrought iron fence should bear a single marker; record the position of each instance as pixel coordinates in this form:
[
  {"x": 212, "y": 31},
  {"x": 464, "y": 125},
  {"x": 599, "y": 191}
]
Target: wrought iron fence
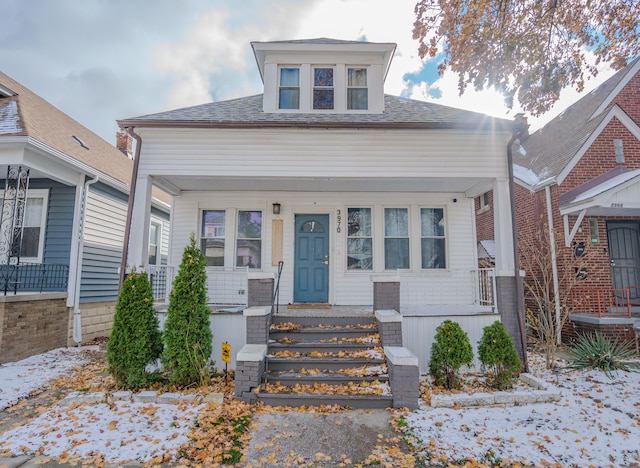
[{"x": 34, "y": 277}]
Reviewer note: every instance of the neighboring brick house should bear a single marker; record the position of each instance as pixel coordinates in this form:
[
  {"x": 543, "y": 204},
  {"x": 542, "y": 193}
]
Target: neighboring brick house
[
  {"x": 586, "y": 163},
  {"x": 64, "y": 202}
]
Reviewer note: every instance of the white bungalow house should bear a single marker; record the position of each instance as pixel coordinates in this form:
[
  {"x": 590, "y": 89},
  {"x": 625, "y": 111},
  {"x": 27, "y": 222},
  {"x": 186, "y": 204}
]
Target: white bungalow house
[{"x": 348, "y": 187}]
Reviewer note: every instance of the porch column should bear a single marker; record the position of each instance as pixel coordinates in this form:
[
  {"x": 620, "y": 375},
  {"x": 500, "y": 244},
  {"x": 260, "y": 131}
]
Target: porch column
[
  {"x": 138, "y": 255},
  {"x": 507, "y": 291}
]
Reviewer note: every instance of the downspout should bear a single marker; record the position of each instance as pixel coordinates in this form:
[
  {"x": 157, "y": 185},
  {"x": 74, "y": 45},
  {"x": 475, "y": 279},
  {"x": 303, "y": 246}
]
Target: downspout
[
  {"x": 77, "y": 318},
  {"x": 516, "y": 131},
  {"x": 132, "y": 194},
  {"x": 554, "y": 265}
]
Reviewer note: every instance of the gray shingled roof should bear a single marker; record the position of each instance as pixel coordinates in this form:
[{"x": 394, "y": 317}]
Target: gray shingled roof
[
  {"x": 247, "y": 111},
  {"x": 550, "y": 149}
]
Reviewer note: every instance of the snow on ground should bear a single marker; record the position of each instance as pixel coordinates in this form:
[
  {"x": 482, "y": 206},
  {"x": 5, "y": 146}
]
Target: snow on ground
[
  {"x": 596, "y": 422},
  {"x": 18, "y": 379}
]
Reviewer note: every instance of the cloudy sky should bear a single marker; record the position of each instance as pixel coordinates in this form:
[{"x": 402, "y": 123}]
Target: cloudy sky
[{"x": 102, "y": 60}]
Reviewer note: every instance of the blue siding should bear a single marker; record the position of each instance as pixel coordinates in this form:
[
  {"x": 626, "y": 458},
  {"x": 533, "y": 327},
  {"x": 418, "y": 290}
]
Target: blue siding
[
  {"x": 100, "y": 273},
  {"x": 110, "y": 192}
]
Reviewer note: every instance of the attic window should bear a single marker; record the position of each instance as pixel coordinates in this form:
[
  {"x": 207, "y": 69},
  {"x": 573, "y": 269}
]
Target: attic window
[
  {"x": 79, "y": 141},
  {"x": 617, "y": 145}
]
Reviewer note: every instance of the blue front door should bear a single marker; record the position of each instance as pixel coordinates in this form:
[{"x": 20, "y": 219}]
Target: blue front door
[{"x": 311, "y": 270}]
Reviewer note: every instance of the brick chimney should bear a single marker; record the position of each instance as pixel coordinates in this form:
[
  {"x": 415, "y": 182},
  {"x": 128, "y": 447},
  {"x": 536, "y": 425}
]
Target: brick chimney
[{"x": 124, "y": 143}]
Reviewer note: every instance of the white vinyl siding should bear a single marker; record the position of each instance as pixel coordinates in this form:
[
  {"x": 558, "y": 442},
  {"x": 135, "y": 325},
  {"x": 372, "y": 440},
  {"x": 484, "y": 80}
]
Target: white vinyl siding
[{"x": 105, "y": 218}]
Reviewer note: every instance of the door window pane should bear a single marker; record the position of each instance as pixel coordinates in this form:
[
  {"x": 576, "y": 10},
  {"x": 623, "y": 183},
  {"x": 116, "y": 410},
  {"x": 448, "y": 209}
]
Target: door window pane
[
  {"x": 212, "y": 236},
  {"x": 249, "y": 243},
  {"x": 396, "y": 242},
  {"x": 432, "y": 238},
  {"x": 359, "y": 239}
]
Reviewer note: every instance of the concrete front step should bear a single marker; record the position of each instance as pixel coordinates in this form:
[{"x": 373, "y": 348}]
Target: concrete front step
[
  {"x": 319, "y": 334},
  {"x": 330, "y": 347},
  {"x": 354, "y": 321},
  {"x": 285, "y": 364},
  {"x": 312, "y": 399},
  {"x": 290, "y": 380}
]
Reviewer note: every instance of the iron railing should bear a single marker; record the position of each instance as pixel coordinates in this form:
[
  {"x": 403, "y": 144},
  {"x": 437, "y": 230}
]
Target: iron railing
[
  {"x": 603, "y": 301},
  {"x": 34, "y": 277},
  {"x": 276, "y": 291},
  {"x": 160, "y": 277}
]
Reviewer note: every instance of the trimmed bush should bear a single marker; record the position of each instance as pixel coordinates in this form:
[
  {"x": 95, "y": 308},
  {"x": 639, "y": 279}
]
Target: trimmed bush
[
  {"x": 187, "y": 334},
  {"x": 497, "y": 352},
  {"x": 135, "y": 340},
  {"x": 595, "y": 351},
  {"x": 451, "y": 350}
]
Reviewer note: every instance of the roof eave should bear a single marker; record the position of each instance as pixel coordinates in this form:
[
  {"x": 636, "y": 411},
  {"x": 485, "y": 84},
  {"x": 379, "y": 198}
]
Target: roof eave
[{"x": 132, "y": 123}]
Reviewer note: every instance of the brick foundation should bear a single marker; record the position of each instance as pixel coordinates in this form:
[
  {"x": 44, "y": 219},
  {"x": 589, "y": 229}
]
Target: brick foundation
[
  {"x": 386, "y": 295},
  {"x": 250, "y": 365},
  {"x": 260, "y": 290},
  {"x": 96, "y": 319},
  {"x": 404, "y": 376},
  {"x": 32, "y": 324},
  {"x": 389, "y": 327},
  {"x": 258, "y": 320},
  {"x": 614, "y": 328}
]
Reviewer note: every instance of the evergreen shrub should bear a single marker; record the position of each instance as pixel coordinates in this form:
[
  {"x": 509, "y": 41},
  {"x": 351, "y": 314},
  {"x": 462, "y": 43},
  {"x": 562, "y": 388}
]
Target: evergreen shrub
[
  {"x": 497, "y": 352},
  {"x": 450, "y": 350},
  {"x": 135, "y": 340},
  {"x": 187, "y": 334}
]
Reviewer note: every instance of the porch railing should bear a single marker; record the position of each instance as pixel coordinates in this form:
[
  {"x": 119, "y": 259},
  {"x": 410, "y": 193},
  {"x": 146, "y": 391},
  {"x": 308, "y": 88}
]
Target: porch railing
[
  {"x": 486, "y": 286},
  {"x": 33, "y": 277},
  {"x": 603, "y": 301},
  {"x": 161, "y": 278}
]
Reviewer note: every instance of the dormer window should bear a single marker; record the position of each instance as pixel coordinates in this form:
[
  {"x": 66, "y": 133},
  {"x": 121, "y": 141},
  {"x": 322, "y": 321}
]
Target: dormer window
[
  {"x": 357, "y": 92},
  {"x": 289, "y": 91},
  {"x": 323, "y": 88}
]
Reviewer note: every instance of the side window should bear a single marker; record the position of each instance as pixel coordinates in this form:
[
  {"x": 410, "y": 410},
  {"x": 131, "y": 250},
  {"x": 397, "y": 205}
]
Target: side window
[
  {"x": 323, "y": 88},
  {"x": 432, "y": 238},
  {"x": 357, "y": 92},
  {"x": 212, "y": 236},
  {"x": 359, "y": 239},
  {"x": 396, "y": 238},
  {"x": 154, "y": 241},
  {"x": 249, "y": 241},
  {"x": 289, "y": 90},
  {"x": 34, "y": 221}
]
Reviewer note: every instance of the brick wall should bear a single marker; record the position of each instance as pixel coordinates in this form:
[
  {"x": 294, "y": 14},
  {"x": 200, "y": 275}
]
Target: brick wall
[
  {"x": 32, "y": 324},
  {"x": 619, "y": 332},
  {"x": 484, "y": 219}
]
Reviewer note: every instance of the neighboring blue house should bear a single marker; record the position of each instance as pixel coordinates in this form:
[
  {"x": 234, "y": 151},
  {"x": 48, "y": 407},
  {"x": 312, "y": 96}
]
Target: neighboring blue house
[{"x": 64, "y": 194}]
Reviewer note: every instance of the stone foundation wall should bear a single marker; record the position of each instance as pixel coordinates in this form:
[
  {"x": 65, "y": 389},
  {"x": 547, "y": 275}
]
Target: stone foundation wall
[
  {"x": 97, "y": 321},
  {"x": 620, "y": 329},
  {"x": 32, "y": 324}
]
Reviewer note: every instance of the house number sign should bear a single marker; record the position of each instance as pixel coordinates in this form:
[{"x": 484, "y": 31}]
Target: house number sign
[{"x": 339, "y": 221}]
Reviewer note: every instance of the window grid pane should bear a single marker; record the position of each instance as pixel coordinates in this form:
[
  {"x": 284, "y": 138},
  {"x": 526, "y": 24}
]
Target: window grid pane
[
  {"x": 212, "y": 236},
  {"x": 249, "y": 242},
  {"x": 289, "y": 92},
  {"x": 359, "y": 240},
  {"x": 396, "y": 242},
  {"x": 357, "y": 92},
  {"x": 433, "y": 246},
  {"x": 323, "y": 95}
]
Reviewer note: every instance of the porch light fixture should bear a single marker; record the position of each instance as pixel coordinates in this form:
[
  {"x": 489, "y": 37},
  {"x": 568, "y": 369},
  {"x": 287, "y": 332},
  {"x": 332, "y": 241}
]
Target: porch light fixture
[{"x": 276, "y": 208}]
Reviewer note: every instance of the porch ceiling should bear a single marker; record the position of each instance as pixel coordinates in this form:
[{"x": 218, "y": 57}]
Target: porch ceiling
[{"x": 177, "y": 184}]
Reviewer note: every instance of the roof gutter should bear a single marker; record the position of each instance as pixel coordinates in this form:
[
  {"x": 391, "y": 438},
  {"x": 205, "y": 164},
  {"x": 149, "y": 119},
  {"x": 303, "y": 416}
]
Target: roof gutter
[{"x": 132, "y": 195}]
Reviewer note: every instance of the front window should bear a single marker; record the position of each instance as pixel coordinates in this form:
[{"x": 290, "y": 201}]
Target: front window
[
  {"x": 396, "y": 238},
  {"x": 357, "y": 93},
  {"x": 432, "y": 238},
  {"x": 249, "y": 242},
  {"x": 359, "y": 239},
  {"x": 212, "y": 236},
  {"x": 289, "y": 91},
  {"x": 323, "y": 88},
  {"x": 33, "y": 223}
]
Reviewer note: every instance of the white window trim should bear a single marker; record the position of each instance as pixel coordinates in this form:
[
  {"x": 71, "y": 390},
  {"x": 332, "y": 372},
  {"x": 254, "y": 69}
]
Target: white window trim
[
  {"x": 279, "y": 77},
  {"x": 347, "y": 87},
  {"x": 373, "y": 236},
  {"x": 484, "y": 204},
  {"x": 334, "y": 88},
  {"x": 410, "y": 235},
  {"x": 444, "y": 236},
  {"x": 44, "y": 194}
]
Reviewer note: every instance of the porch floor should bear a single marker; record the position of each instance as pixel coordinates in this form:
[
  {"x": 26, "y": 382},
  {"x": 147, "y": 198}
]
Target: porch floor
[{"x": 282, "y": 310}]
